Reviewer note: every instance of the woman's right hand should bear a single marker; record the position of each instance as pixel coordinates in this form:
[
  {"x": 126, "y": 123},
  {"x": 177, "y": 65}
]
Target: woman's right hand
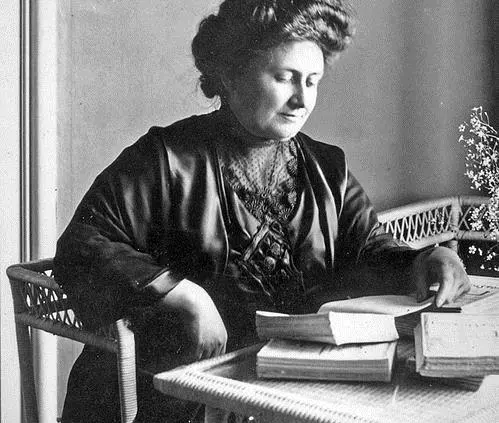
[{"x": 206, "y": 332}]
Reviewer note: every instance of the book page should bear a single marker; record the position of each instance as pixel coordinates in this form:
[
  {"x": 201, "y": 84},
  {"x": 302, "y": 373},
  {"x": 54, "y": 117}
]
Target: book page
[
  {"x": 483, "y": 297},
  {"x": 395, "y": 305},
  {"x": 308, "y": 351}
]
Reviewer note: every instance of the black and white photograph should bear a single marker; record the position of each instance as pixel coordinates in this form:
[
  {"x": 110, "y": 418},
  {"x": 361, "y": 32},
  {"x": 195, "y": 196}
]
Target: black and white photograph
[{"x": 249, "y": 211}]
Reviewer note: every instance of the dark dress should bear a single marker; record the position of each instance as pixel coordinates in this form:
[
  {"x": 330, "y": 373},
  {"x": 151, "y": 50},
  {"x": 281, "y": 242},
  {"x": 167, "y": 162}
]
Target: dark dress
[{"x": 163, "y": 211}]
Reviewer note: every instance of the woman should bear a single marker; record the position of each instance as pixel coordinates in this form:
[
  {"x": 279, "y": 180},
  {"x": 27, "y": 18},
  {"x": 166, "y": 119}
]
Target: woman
[{"x": 199, "y": 224}]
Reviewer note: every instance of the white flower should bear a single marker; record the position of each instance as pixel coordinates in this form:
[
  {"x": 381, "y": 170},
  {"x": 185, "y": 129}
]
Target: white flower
[
  {"x": 476, "y": 226},
  {"x": 480, "y": 133},
  {"x": 482, "y": 169}
]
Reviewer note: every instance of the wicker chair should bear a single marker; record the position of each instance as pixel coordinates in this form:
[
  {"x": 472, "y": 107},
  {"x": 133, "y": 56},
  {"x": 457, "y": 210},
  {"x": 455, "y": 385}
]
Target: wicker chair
[
  {"x": 39, "y": 302},
  {"x": 440, "y": 221}
]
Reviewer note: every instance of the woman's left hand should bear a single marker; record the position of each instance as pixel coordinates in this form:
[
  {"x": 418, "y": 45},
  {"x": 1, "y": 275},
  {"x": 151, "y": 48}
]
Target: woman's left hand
[{"x": 440, "y": 266}]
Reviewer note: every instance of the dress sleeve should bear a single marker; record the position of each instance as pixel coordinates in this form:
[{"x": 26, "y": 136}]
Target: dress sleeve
[
  {"x": 369, "y": 257},
  {"x": 106, "y": 259}
]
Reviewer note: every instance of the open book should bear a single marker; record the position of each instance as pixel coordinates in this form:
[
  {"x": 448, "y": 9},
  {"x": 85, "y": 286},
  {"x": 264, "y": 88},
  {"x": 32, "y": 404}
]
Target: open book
[
  {"x": 482, "y": 298},
  {"x": 454, "y": 345},
  {"x": 393, "y": 305},
  {"x": 332, "y": 328},
  {"x": 371, "y": 318},
  {"x": 287, "y": 359}
]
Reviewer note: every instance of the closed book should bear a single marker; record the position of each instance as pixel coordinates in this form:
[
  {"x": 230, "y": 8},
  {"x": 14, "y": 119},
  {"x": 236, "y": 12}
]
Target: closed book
[
  {"x": 287, "y": 359},
  {"x": 469, "y": 383},
  {"x": 332, "y": 328},
  {"x": 455, "y": 345}
]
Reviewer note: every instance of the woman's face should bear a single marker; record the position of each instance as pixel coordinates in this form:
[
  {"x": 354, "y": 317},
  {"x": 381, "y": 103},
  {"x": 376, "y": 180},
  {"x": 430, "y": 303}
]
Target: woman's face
[{"x": 275, "y": 96}]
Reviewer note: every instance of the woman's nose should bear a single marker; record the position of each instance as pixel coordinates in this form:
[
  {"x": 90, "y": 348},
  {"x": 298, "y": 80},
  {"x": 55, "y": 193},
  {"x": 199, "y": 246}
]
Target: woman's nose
[{"x": 298, "y": 97}]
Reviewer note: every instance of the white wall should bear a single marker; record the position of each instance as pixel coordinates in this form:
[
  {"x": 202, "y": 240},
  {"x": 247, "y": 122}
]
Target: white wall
[
  {"x": 10, "y": 208},
  {"x": 127, "y": 67},
  {"x": 393, "y": 101}
]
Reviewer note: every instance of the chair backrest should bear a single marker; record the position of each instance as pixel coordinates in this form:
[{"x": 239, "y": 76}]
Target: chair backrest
[
  {"x": 430, "y": 222},
  {"x": 39, "y": 302}
]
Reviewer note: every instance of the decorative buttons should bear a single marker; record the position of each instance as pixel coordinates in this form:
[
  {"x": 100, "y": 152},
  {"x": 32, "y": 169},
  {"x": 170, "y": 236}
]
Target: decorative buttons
[
  {"x": 269, "y": 264},
  {"x": 275, "y": 250},
  {"x": 284, "y": 276}
]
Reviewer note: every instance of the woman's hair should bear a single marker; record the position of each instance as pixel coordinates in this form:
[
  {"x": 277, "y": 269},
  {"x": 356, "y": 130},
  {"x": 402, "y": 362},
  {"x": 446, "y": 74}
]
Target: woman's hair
[{"x": 227, "y": 41}]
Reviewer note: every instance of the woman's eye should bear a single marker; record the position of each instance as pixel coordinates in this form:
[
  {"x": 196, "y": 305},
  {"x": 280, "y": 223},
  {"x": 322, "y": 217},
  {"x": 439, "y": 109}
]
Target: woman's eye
[
  {"x": 313, "y": 82},
  {"x": 284, "y": 77}
]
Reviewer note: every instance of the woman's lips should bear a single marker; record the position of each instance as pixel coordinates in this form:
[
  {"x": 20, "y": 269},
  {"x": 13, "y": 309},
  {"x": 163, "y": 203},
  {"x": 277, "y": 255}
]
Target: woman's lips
[{"x": 292, "y": 116}]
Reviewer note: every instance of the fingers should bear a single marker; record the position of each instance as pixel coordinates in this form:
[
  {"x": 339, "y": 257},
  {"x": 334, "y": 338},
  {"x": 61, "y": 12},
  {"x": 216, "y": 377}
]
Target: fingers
[
  {"x": 207, "y": 346},
  {"x": 203, "y": 352},
  {"x": 462, "y": 290},
  {"x": 446, "y": 291},
  {"x": 440, "y": 267},
  {"x": 222, "y": 350},
  {"x": 453, "y": 283}
]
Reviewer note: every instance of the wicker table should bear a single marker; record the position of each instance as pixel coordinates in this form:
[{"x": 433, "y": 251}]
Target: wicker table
[{"x": 229, "y": 382}]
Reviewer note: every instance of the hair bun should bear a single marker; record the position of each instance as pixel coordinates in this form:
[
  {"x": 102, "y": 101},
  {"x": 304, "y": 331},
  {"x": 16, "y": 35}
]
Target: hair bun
[
  {"x": 206, "y": 52},
  {"x": 227, "y": 41}
]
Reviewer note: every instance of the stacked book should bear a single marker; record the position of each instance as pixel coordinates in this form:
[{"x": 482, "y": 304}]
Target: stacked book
[
  {"x": 327, "y": 346},
  {"x": 461, "y": 346},
  {"x": 287, "y": 359},
  {"x": 355, "y": 339},
  {"x": 452, "y": 345}
]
